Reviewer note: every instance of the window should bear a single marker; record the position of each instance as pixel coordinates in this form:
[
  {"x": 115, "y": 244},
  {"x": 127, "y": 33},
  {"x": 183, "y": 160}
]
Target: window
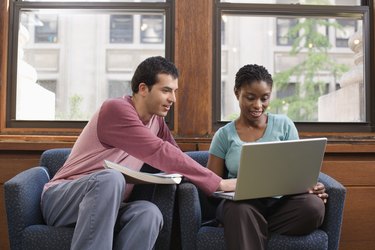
[
  {"x": 318, "y": 56},
  {"x": 345, "y": 28},
  {"x": 152, "y": 29},
  {"x": 121, "y": 29},
  {"x": 118, "y": 86},
  {"x": 46, "y": 32},
  {"x": 284, "y": 25},
  {"x": 301, "y": 2},
  {"x": 68, "y": 57}
]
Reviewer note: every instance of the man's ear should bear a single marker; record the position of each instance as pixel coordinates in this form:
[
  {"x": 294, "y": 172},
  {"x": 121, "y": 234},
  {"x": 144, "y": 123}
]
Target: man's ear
[{"x": 142, "y": 89}]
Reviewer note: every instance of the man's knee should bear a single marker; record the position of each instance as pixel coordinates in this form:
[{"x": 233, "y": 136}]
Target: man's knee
[
  {"x": 111, "y": 181},
  {"x": 151, "y": 214}
]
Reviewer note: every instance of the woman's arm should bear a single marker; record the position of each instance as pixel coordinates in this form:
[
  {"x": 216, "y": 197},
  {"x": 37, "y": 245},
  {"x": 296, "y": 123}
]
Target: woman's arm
[{"x": 216, "y": 165}]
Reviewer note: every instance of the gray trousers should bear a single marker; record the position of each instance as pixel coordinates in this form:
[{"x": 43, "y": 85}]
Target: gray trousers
[
  {"x": 247, "y": 224},
  {"x": 94, "y": 205}
]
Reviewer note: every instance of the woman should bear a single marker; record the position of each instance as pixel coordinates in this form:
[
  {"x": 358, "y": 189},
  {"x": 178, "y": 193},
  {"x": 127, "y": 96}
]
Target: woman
[{"x": 247, "y": 224}]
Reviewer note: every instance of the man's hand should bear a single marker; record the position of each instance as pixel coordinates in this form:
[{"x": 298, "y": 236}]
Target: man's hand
[
  {"x": 320, "y": 191},
  {"x": 227, "y": 185}
]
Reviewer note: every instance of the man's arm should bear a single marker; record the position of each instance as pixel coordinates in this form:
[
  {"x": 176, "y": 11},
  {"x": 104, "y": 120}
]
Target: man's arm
[{"x": 120, "y": 127}]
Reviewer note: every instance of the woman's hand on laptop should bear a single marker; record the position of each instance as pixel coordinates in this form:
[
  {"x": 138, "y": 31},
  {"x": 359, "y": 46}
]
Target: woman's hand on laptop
[
  {"x": 227, "y": 185},
  {"x": 320, "y": 191}
]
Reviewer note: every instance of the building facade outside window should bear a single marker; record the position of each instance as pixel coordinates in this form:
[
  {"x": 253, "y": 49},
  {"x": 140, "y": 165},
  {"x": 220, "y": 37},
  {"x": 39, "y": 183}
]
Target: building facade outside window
[
  {"x": 346, "y": 28},
  {"x": 121, "y": 29},
  {"x": 152, "y": 29},
  {"x": 47, "y": 30},
  {"x": 283, "y": 25}
]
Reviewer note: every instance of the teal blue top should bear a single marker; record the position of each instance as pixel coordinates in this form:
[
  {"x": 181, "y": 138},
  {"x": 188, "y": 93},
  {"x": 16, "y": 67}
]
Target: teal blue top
[{"x": 226, "y": 143}]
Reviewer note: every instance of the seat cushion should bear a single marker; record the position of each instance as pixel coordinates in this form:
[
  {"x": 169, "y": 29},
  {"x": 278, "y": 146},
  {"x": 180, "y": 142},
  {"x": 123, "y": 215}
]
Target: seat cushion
[
  {"x": 44, "y": 237},
  {"x": 213, "y": 238},
  {"x": 317, "y": 240}
]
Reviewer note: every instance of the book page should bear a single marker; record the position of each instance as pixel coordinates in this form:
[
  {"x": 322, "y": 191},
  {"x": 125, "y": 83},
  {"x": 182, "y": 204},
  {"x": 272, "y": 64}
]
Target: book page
[{"x": 137, "y": 177}]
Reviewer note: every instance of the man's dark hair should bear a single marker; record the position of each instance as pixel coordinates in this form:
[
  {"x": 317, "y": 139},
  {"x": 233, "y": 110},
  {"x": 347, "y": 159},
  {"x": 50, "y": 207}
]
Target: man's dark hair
[
  {"x": 148, "y": 70},
  {"x": 250, "y": 73}
]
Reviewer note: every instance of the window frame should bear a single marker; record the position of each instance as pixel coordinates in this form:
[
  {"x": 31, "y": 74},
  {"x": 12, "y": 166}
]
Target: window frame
[
  {"x": 293, "y": 10},
  {"x": 15, "y": 6}
]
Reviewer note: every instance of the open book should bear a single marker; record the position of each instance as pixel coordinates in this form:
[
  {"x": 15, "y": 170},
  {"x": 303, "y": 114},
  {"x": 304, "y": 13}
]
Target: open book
[{"x": 137, "y": 177}]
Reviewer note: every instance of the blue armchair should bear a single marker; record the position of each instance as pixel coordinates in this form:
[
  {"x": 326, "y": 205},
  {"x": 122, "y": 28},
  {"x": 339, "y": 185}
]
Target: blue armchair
[
  {"x": 26, "y": 227},
  {"x": 199, "y": 231}
]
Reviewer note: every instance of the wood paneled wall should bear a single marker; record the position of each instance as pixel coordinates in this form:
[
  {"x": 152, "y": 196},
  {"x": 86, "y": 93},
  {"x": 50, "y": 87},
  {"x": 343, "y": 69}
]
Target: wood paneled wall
[
  {"x": 348, "y": 159},
  {"x": 356, "y": 171},
  {"x": 193, "y": 57}
]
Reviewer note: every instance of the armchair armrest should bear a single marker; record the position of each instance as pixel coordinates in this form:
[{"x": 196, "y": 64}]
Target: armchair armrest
[
  {"x": 334, "y": 209},
  {"x": 163, "y": 196},
  {"x": 190, "y": 214},
  {"x": 22, "y": 199}
]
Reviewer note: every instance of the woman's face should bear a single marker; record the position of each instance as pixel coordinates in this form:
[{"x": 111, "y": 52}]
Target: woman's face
[{"x": 253, "y": 99}]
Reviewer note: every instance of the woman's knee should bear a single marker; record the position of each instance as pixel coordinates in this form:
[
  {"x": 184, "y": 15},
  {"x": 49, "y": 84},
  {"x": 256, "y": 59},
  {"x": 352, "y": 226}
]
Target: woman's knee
[
  {"x": 315, "y": 209},
  {"x": 311, "y": 214},
  {"x": 237, "y": 211}
]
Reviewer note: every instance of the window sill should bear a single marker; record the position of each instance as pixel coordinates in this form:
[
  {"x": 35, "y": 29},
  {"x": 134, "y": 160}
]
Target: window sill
[{"x": 337, "y": 143}]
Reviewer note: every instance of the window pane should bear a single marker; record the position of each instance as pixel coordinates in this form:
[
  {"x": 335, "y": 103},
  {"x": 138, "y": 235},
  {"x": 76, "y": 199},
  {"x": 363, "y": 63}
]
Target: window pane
[
  {"x": 46, "y": 29},
  {"x": 67, "y": 69},
  {"x": 152, "y": 29},
  {"x": 121, "y": 29},
  {"x": 318, "y": 76},
  {"x": 344, "y": 29},
  {"x": 310, "y": 2},
  {"x": 118, "y": 86},
  {"x": 284, "y": 38}
]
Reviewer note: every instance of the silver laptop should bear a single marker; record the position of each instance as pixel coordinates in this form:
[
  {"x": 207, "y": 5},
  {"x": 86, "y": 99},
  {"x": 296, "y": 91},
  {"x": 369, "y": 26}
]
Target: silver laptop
[{"x": 269, "y": 169}]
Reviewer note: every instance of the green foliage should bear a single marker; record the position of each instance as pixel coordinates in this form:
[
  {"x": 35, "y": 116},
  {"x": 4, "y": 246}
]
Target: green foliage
[
  {"x": 75, "y": 113},
  {"x": 232, "y": 117},
  {"x": 74, "y": 104},
  {"x": 312, "y": 47}
]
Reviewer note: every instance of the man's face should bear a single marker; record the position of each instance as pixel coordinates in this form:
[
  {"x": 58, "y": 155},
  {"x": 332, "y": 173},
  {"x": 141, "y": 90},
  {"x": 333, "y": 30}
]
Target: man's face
[{"x": 162, "y": 95}]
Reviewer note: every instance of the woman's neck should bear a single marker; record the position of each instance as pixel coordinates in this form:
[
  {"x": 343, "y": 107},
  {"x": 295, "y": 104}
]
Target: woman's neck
[{"x": 254, "y": 124}]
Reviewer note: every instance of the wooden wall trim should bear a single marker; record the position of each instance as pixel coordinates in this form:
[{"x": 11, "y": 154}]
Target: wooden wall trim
[
  {"x": 29, "y": 142},
  {"x": 193, "y": 57}
]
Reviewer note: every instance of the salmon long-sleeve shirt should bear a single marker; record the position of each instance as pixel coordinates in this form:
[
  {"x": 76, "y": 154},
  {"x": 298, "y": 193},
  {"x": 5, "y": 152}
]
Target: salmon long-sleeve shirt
[{"x": 116, "y": 133}]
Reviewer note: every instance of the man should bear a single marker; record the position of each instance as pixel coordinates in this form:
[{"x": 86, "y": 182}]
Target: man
[{"x": 129, "y": 131}]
